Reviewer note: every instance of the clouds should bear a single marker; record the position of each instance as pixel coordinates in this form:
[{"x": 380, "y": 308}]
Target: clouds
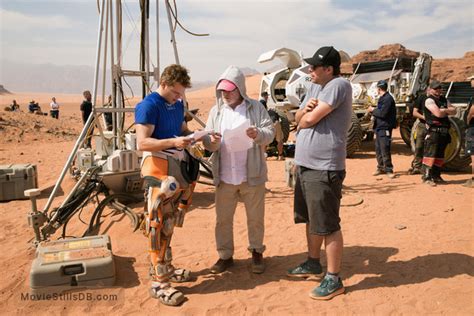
[
  {"x": 240, "y": 30},
  {"x": 18, "y": 22}
]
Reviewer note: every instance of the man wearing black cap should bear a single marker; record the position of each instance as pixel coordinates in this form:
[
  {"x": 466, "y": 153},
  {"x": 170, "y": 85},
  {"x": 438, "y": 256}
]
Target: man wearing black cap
[
  {"x": 323, "y": 121},
  {"x": 385, "y": 115},
  {"x": 436, "y": 111}
]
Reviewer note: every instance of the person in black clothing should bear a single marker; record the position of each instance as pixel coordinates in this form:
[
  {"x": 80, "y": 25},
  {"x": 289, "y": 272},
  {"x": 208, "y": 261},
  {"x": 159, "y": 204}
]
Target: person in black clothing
[
  {"x": 86, "y": 110},
  {"x": 385, "y": 120},
  {"x": 34, "y": 107},
  {"x": 416, "y": 164},
  {"x": 108, "y": 116},
  {"x": 436, "y": 111}
]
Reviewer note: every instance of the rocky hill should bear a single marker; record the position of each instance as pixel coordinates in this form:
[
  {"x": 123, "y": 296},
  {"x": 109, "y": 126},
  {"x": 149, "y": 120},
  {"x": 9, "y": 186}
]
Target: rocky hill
[{"x": 448, "y": 69}]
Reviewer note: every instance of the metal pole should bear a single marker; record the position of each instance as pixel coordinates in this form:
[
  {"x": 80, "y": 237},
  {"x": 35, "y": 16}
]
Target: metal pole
[
  {"x": 88, "y": 122},
  {"x": 147, "y": 43},
  {"x": 97, "y": 59},
  {"x": 449, "y": 89},
  {"x": 118, "y": 68},
  {"x": 142, "y": 58},
  {"x": 157, "y": 78},
  {"x": 391, "y": 73},
  {"x": 104, "y": 67},
  {"x": 173, "y": 39},
  {"x": 69, "y": 162},
  {"x": 112, "y": 62}
]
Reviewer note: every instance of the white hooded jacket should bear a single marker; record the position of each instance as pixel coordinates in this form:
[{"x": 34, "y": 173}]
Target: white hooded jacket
[{"x": 258, "y": 116}]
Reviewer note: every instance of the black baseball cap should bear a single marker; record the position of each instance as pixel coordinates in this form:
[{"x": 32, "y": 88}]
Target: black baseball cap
[
  {"x": 325, "y": 56},
  {"x": 435, "y": 84},
  {"x": 382, "y": 84}
]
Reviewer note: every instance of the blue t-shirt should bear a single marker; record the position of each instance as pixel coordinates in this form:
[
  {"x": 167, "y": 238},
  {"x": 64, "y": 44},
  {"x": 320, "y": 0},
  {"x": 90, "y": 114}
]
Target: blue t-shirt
[{"x": 167, "y": 118}]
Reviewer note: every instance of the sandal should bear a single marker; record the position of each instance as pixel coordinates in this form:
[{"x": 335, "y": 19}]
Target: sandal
[
  {"x": 166, "y": 294},
  {"x": 180, "y": 275}
]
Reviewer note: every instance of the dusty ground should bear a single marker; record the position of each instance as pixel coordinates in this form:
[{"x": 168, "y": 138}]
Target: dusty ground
[{"x": 425, "y": 268}]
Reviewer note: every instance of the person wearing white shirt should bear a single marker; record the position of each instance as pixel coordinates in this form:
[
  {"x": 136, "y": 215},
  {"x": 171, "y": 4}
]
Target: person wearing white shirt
[
  {"x": 54, "y": 108},
  {"x": 239, "y": 166}
]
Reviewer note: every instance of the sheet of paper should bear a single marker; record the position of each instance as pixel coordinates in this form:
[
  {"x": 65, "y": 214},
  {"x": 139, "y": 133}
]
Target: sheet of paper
[
  {"x": 197, "y": 135},
  {"x": 236, "y": 139}
]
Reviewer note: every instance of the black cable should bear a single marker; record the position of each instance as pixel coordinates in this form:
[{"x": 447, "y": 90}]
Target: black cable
[
  {"x": 99, "y": 209},
  {"x": 175, "y": 16}
]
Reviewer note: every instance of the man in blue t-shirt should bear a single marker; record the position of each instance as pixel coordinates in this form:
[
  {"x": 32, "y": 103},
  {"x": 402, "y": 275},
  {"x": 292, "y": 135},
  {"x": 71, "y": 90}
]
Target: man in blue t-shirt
[
  {"x": 323, "y": 121},
  {"x": 161, "y": 131}
]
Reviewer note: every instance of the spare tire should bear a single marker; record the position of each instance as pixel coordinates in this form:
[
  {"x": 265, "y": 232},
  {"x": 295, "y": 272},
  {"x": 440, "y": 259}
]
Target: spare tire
[
  {"x": 454, "y": 156},
  {"x": 354, "y": 136}
]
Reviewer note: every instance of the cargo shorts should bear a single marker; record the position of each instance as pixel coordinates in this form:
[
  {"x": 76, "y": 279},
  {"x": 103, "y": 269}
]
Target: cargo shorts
[{"x": 317, "y": 199}]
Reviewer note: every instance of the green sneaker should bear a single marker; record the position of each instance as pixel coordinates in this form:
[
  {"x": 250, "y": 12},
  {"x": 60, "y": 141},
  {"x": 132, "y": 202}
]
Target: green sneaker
[
  {"x": 306, "y": 269},
  {"x": 327, "y": 289}
]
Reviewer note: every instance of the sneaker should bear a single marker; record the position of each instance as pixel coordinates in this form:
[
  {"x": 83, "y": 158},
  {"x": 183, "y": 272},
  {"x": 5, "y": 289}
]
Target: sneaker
[
  {"x": 413, "y": 171},
  {"x": 391, "y": 175},
  {"x": 306, "y": 269},
  {"x": 327, "y": 289},
  {"x": 221, "y": 265},
  {"x": 429, "y": 182},
  {"x": 439, "y": 180},
  {"x": 468, "y": 184},
  {"x": 378, "y": 172},
  {"x": 258, "y": 266}
]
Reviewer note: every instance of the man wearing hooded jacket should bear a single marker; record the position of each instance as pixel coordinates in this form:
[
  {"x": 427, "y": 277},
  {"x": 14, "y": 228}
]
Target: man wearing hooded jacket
[{"x": 238, "y": 174}]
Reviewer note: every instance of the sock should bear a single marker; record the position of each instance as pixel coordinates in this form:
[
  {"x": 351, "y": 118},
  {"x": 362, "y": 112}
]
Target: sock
[
  {"x": 334, "y": 276},
  {"x": 313, "y": 260}
]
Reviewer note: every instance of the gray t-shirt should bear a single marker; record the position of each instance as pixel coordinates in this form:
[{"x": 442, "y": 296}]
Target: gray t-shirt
[{"x": 323, "y": 146}]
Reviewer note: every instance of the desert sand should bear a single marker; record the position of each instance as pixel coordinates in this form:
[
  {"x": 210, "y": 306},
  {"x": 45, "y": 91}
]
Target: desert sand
[{"x": 408, "y": 246}]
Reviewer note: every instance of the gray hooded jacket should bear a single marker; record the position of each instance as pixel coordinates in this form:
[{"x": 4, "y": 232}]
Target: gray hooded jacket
[{"x": 258, "y": 115}]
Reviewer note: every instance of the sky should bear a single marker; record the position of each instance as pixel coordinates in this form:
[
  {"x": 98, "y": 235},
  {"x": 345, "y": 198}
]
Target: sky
[{"x": 65, "y": 32}]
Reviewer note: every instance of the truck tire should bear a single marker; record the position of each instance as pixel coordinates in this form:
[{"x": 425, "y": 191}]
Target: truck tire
[
  {"x": 406, "y": 126},
  {"x": 454, "y": 156},
  {"x": 354, "y": 136}
]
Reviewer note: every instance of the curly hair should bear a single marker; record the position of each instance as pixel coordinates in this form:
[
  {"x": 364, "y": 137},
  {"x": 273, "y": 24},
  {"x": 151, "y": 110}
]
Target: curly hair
[{"x": 175, "y": 74}]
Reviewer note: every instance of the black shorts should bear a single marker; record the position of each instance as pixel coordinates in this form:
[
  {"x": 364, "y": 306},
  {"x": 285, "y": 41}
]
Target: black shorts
[{"x": 318, "y": 199}]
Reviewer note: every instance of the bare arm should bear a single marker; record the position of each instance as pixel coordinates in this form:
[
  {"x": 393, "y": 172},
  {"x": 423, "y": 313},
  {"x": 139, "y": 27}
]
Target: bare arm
[
  {"x": 312, "y": 103},
  {"x": 433, "y": 108},
  {"x": 312, "y": 118},
  {"x": 417, "y": 114},
  {"x": 470, "y": 115},
  {"x": 147, "y": 143},
  {"x": 451, "y": 110}
]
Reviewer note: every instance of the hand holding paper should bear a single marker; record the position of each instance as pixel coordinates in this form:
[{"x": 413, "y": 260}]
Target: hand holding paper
[
  {"x": 237, "y": 139},
  {"x": 197, "y": 135},
  {"x": 252, "y": 132}
]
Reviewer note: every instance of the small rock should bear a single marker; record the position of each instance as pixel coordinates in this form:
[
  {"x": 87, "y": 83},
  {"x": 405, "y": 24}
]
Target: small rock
[
  {"x": 400, "y": 227},
  {"x": 449, "y": 210},
  {"x": 21, "y": 154}
]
